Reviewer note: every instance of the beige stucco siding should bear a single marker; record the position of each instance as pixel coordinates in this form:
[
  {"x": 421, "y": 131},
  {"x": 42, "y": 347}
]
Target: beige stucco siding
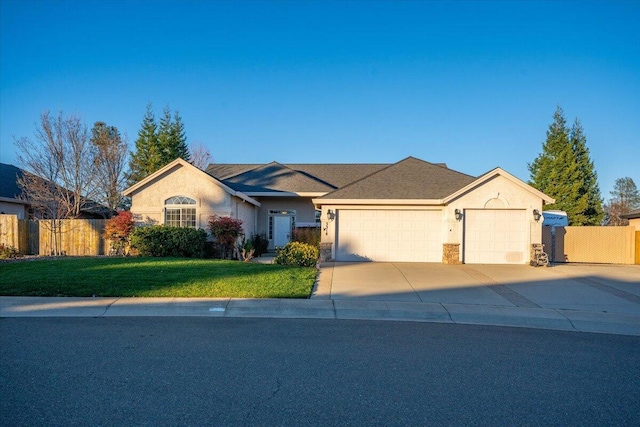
[{"x": 148, "y": 200}]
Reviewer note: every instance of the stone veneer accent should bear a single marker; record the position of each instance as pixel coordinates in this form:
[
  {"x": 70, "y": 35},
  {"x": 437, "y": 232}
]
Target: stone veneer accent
[
  {"x": 451, "y": 253},
  {"x": 325, "y": 251}
]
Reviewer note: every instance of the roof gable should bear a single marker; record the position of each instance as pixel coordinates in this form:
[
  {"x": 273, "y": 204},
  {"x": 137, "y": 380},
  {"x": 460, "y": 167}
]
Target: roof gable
[
  {"x": 490, "y": 175},
  {"x": 182, "y": 163},
  {"x": 409, "y": 179}
]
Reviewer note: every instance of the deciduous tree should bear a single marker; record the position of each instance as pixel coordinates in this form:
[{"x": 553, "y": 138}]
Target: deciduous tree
[
  {"x": 109, "y": 163},
  {"x": 624, "y": 198}
]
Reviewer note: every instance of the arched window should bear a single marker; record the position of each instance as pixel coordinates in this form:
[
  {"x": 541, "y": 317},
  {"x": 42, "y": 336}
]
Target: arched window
[{"x": 180, "y": 211}]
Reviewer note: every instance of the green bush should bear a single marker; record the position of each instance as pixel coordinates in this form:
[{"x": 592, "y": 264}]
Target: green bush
[
  {"x": 161, "y": 241},
  {"x": 308, "y": 235},
  {"x": 300, "y": 254}
]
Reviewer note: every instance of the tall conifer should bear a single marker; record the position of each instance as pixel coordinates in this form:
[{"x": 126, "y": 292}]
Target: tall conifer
[{"x": 565, "y": 172}]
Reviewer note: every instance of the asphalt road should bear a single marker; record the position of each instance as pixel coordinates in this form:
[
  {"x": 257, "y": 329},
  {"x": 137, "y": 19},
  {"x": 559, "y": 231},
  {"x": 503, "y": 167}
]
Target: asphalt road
[{"x": 207, "y": 371}]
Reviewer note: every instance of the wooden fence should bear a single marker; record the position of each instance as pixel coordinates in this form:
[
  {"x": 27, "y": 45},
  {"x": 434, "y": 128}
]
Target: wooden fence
[
  {"x": 599, "y": 245},
  {"x": 73, "y": 237}
]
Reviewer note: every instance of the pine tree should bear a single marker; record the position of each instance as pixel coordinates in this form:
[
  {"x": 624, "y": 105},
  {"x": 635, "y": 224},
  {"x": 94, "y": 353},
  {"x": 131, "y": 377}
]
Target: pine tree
[
  {"x": 589, "y": 191},
  {"x": 147, "y": 157},
  {"x": 178, "y": 138},
  {"x": 565, "y": 172},
  {"x": 171, "y": 138}
]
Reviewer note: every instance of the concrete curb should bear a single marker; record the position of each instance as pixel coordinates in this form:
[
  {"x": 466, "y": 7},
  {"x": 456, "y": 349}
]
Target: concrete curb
[{"x": 556, "y": 319}]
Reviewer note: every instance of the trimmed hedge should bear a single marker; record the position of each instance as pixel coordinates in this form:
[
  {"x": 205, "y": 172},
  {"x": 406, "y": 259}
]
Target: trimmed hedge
[
  {"x": 162, "y": 241},
  {"x": 300, "y": 254}
]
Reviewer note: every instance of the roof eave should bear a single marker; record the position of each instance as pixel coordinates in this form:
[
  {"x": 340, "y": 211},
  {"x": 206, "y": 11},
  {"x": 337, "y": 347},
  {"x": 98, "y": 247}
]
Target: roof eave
[{"x": 382, "y": 202}]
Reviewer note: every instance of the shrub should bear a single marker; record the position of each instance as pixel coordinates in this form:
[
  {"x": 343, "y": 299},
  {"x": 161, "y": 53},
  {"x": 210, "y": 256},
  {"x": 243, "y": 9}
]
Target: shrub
[
  {"x": 308, "y": 235},
  {"x": 300, "y": 254},
  {"x": 118, "y": 229},
  {"x": 162, "y": 241},
  {"x": 260, "y": 244},
  {"x": 226, "y": 230},
  {"x": 8, "y": 251}
]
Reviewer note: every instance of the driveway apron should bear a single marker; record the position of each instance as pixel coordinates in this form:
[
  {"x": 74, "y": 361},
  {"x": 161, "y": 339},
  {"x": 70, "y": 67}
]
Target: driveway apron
[{"x": 604, "y": 289}]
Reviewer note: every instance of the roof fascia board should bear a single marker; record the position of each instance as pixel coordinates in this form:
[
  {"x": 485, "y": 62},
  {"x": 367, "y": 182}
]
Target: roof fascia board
[
  {"x": 495, "y": 172},
  {"x": 185, "y": 164},
  {"x": 402, "y": 202},
  {"x": 13, "y": 200},
  {"x": 284, "y": 194}
]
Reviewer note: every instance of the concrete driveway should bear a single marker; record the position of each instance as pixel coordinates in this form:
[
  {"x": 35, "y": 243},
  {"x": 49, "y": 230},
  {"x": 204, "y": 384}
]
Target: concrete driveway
[{"x": 593, "y": 288}]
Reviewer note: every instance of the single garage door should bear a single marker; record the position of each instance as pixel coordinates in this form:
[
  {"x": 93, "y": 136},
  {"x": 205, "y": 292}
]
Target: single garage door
[
  {"x": 389, "y": 235},
  {"x": 496, "y": 236}
]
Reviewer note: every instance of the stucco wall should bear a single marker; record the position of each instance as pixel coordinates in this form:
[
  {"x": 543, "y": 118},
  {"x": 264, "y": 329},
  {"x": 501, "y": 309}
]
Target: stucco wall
[
  {"x": 13, "y": 209},
  {"x": 148, "y": 201}
]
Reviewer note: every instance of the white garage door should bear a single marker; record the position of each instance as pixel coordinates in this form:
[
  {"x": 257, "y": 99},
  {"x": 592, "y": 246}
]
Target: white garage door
[
  {"x": 386, "y": 235},
  {"x": 496, "y": 236}
]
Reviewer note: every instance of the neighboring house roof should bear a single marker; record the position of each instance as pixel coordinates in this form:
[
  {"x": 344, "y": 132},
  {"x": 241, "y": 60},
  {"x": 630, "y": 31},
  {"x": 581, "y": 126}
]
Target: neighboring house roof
[
  {"x": 631, "y": 215},
  {"x": 409, "y": 179},
  {"x": 9, "y": 188},
  {"x": 183, "y": 163}
]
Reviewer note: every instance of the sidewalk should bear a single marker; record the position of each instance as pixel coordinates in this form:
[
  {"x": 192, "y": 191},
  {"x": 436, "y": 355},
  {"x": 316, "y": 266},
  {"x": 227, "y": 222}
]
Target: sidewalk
[{"x": 566, "y": 320}]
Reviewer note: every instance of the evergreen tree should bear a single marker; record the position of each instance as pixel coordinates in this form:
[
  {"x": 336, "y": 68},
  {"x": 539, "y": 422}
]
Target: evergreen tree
[
  {"x": 565, "y": 172},
  {"x": 146, "y": 159},
  {"x": 625, "y": 198},
  {"x": 164, "y": 136},
  {"x": 589, "y": 191},
  {"x": 178, "y": 139}
]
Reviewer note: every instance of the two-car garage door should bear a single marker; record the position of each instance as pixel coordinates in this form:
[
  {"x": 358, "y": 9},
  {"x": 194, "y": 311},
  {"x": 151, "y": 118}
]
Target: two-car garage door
[
  {"x": 490, "y": 236},
  {"x": 389, "y": 235}
]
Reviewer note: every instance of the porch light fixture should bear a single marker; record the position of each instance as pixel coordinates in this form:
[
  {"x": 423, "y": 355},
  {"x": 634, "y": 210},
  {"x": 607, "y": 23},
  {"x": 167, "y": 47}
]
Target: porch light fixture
[
  {"x": 537, "y": 215},
  {"x": 330, "y": 215},
  {"x": 458, "y": 213}
]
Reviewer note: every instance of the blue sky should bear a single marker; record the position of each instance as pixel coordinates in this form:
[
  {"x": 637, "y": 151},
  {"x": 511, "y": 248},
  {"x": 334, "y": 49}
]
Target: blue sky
[{"x": 472, "y": 84}]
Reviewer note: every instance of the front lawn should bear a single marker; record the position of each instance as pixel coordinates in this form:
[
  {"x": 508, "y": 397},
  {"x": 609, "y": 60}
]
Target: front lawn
[{"x": 153, "y": 277}]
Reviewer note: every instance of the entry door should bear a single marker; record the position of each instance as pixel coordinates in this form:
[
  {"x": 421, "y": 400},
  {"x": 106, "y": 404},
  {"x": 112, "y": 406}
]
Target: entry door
[{"x": 281, "y": 230}]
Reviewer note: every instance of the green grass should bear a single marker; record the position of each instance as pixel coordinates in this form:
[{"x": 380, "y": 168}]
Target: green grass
[{"x": 153, "y": 277}]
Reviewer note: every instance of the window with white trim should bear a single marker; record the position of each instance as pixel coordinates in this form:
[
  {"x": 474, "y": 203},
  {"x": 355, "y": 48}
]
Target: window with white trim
[{"x": 180, "y": 211}]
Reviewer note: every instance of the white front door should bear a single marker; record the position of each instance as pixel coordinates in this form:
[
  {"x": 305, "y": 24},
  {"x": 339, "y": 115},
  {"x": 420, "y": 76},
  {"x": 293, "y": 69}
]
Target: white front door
[{"x": 281, "y": 230}]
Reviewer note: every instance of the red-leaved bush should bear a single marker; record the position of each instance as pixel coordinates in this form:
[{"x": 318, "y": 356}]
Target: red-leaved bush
[
  {"x": 117, "y": 229},
  {"x": 226, "y": 231}
]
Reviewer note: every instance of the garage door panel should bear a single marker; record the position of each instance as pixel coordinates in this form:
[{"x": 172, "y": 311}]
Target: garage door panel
[
  {"x": 496, "y": 236},
  {"x": 389, "y": 235}
]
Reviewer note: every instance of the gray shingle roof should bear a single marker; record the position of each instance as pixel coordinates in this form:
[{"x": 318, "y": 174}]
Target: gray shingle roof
[
  {"x": 8, "y": 176},
  {"x": 410, "y": 178},
  {"x": 321, "y": 177}
]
